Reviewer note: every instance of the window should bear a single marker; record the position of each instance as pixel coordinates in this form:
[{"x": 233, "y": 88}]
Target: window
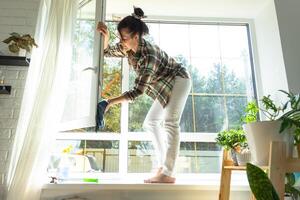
[{"x": 217, "y": 55}]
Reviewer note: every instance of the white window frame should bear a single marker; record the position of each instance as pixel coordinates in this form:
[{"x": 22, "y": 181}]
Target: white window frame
[{"x": 124, "y": 137}]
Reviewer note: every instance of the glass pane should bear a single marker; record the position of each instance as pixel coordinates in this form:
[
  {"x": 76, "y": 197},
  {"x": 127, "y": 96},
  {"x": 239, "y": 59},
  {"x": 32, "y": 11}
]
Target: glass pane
[
  {"x": 105, "y": 152},
  {"x": 153, "y": 36},
  {"x": 137, "y": 110},
  {"x": 198, "y": 157},
  {"x": 140, "y": 157},
  {"x": 235, "y": 110},
  {"x": 112, "y": 88},
  {"x": 137, "y": 113},
  {"x": 234, "y": 76},
  {"x": 174, "y": 39},
  {"x": 233, "y": 41},
  {"x": 112, "y": 85},
  {"x": 209, "y": 114},
  {"x": 84, "y": 156},
  {"x": 78, "y": 112},
  {"x": 204, "y": 41},
  {"x": 206, "y": 75},
  {"x": 186, "y": 122}
]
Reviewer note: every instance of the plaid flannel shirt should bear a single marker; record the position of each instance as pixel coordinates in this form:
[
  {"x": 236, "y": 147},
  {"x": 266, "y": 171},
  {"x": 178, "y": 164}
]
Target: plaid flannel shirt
[{"x": 155, "y": 71}]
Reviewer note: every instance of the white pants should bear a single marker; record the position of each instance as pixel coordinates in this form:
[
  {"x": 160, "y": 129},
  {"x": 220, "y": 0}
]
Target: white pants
[{"x": 163, "y": 124}]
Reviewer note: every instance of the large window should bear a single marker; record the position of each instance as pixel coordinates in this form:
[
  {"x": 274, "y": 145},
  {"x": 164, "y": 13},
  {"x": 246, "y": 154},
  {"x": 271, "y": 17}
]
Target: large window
[{"x": 218, "y": 57}]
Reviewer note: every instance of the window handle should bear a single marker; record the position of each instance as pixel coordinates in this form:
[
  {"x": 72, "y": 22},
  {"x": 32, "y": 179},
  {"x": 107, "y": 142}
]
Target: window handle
[{"x": 91, "y": 68}]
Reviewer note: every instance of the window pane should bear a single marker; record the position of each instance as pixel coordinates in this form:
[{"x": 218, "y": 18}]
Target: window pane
[
  {"x": 105, "y": 152},
  {"x": 78, "y": 112},
  {"x": 137, "y": 110},
  {"x": 233, "y": 41},
  {"x": 112, "y": 88},
  {"x": 235, "y": 110},
  {"x": 153, "y": 35},
  {"x": 137, "y": 113},
  {"x": 174, "y": 39},
  {"x": 209, "y": 114},
  {"x": 234, "y": 76},
  {"x": 198, "y": 157},
  {"x": 85, "y": 156},
  {"x": 186, "y": 122},
  {"x": 140, "y": 157},
  {"x": 112, "y": 85},
  {"x": 206, "y": 75},
  {"x": 204, "y": 41}
]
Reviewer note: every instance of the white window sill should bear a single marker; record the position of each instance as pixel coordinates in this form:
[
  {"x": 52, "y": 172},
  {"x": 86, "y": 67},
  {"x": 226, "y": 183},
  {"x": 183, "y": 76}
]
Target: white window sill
[
  {"x": 135, "y": 182},
  {"x": 205, "y": 186}
]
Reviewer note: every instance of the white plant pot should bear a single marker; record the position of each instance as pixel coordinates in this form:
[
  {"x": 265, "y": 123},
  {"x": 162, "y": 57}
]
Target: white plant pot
[
  {"x": 243, "y": 158},
  {"x": 287, "y": 198},
  {"x": 22, "y": 53},
  {"x": 260, "y": 134}
]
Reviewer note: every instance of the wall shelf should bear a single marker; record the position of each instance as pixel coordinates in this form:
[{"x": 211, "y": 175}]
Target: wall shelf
[
  {"x": 14, "y": 61},
  {"x": 5, "y": 89}
]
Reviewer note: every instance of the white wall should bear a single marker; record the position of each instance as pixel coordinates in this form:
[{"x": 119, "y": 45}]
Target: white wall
[
  {"x": 288, "y": 16},
  {"x": 270, "y": 69},
  {"x": 15, "y": 16}
]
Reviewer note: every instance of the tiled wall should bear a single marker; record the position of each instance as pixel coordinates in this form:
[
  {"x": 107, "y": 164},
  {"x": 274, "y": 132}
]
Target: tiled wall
[{"x": 15, "y": 16}]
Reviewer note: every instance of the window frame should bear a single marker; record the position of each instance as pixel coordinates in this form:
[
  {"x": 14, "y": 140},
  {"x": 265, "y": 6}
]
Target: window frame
[{"x": 125, "y": 136}]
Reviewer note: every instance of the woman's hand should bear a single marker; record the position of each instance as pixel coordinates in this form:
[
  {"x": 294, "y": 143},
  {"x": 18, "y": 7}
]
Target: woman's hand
[
  {"x": 116, "y": 100},
  {"x": 102, "y": 28},
  {"x": 108, "y": 105}
]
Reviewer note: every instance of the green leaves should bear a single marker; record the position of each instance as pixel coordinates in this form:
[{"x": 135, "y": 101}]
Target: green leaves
[
  {"x": 291, "y": 119},
  {"x": 16, "y": 41},
  {"x": 270, "y": 110},
  {"x": 260, "y": 184},
  {"x": 251, "y": 111},
  {"x": 231, "y": 138},
  {"x": 289, "y": 186}
]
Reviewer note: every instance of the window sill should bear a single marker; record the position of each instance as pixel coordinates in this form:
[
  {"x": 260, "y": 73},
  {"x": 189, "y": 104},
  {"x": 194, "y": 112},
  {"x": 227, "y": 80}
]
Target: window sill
[
  {"x": 205, "y": 186},
  {"x": 138, "y": 186},
  {"x": 198, "y": 182},
  {"x": 155, "y": 191}
]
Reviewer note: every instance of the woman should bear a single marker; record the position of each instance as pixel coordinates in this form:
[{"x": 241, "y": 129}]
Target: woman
[{"x": 161, "y": 78}]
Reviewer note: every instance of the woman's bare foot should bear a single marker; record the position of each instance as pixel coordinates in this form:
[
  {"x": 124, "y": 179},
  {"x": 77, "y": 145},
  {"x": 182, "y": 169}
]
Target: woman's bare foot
[
  {"x": 159, "y": 170},
  {"x": 160, "y": 178}
]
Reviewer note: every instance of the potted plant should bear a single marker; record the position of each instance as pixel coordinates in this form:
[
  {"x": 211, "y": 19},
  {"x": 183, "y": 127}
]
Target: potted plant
[
  {"x": 259, "y": 134},
  {"x": 260, "y": 184},
  {"x": 17, "y": 42},
  {"x": 291, "y": 119},
  {"x": 233, "y": 140},
  {"x": 290, "y": 188},
  {"x": 262, "y": 187}
]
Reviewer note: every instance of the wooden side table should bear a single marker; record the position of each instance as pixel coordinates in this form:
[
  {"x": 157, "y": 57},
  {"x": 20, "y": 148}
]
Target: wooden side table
[
  {"x": 279, "y": 165},
  {"x": 227, "y": 168}
]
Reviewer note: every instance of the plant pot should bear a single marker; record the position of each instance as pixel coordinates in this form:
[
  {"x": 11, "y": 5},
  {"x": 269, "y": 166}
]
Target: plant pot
[
  {"x": 286, "y": 197},
  {"x": 22, "y": 52},
  {"x": 260, "y": 134},
  {"x": 243, "y": 158},
  {"x": 233, "y": 157}
]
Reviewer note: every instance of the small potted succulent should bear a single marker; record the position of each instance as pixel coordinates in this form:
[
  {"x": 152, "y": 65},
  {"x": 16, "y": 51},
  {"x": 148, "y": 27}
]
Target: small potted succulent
[{"x": 17, "y": 43}]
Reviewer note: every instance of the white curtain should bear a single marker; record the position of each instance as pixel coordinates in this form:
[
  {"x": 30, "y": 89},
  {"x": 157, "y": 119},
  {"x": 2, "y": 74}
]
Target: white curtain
[{"x": 43, "y": 99}]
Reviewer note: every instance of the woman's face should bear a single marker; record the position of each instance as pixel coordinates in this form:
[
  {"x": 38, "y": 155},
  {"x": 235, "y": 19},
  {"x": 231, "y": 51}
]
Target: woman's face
[{"x": 129, "y": 41}]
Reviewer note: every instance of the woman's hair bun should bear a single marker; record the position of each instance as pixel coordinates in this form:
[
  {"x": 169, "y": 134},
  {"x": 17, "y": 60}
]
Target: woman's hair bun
[{"x": 138, "y": 13}]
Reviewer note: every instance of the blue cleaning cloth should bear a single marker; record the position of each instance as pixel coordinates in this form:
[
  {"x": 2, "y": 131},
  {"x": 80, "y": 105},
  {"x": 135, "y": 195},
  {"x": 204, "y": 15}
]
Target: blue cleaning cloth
[{"x": 100, "y": 113}]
